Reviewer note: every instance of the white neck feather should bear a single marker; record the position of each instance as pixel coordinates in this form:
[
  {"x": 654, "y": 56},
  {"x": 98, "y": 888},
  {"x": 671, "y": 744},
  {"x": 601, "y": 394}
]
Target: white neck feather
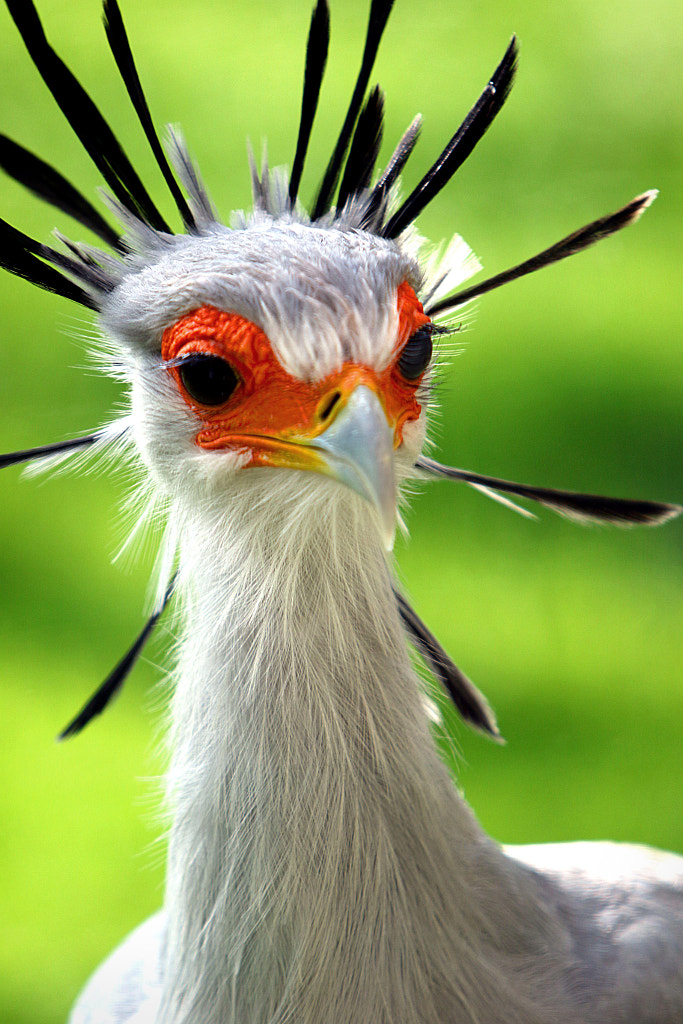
[{"x": 321, "y": 857}]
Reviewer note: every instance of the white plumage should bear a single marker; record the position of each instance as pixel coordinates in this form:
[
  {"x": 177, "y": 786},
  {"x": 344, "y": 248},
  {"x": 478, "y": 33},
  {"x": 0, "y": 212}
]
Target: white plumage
[{"x": 322, "y": 865}]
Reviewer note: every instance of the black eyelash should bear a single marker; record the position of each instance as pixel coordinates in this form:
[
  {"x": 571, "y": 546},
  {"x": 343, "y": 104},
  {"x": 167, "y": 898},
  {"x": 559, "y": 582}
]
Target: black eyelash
[
  {"x": 418, "y": 351},
  {"x": 436, "y": 380}
]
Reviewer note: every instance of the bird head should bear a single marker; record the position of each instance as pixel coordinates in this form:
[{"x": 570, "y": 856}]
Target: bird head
[{"x": 280, "y": 346}]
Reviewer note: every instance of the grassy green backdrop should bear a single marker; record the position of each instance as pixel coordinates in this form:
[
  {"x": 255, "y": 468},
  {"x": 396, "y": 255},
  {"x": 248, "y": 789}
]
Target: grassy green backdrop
[{"x": 570, "y": 378}]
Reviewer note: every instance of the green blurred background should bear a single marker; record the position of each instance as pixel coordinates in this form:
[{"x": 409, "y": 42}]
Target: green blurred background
[{"x": 571, "y": 378}]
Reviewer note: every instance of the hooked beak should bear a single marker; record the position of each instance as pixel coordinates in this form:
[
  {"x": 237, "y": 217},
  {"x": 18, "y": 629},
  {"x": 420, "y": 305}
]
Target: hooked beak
[{"x": 357, "y": 449}]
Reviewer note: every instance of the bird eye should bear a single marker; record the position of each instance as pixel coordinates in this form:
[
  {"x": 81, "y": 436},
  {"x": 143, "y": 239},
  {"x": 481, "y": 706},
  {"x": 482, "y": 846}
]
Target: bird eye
[
  {"x": 209, "y": 380},
  {"x": 417, "y": 353}
]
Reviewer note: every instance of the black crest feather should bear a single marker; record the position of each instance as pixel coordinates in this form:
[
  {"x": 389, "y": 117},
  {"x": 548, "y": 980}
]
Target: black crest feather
[
  {"x": 120, "y": 48},
  {"x": 377, "y": 200},
  {"x": 364, "y": 150},
  {"x": 24, "y": 256},
  {"x": 83, "y": 268},
  {"x": 587, "y": 507},
  {"x": 111, "y": 686},
  {"x": 48, "y": 184},
  {"x": 59, "y": 447},
  {"x": 379, "y": 15},
  {"x": 576, "y": 242},
  {"x": 399, "y": 157},
  {"x": 470, "y": 702},
  {"x": 84, "y": 117},
  {"x": 316, "y": 58},
  {"x": 461, "y": 145}
]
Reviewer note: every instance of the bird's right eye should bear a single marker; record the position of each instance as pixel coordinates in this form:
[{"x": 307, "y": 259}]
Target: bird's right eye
[{"x": 209, "y": 380}]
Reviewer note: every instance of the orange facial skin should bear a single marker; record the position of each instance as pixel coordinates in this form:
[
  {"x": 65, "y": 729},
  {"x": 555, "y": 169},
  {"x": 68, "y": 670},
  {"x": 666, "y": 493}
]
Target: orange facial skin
[{"x": 271, "y": 413}]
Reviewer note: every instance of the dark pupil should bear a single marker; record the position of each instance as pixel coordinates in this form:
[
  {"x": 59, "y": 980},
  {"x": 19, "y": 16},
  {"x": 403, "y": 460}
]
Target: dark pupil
[
  {"x": 415, "y": 357},
  {"x": 208, "y": 379}
]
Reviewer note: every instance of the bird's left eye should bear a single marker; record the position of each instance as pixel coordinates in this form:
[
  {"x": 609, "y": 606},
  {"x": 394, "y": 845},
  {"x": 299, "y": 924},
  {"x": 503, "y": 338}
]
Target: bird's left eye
[
  {"x": 417, "y": 353},
  {"x": 207, "y": 379}
]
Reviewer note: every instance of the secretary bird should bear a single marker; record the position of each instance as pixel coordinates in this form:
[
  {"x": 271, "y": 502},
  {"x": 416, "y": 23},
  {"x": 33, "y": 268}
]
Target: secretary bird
[{"x": 322, "y": 866}]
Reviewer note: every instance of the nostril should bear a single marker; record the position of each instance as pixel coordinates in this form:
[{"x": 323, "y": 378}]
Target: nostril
[{"x": 329, "y": 405}]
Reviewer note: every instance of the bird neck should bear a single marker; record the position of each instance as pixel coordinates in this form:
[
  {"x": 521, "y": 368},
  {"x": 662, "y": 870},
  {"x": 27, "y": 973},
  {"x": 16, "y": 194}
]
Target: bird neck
[{"x": 320, "y": 856}]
